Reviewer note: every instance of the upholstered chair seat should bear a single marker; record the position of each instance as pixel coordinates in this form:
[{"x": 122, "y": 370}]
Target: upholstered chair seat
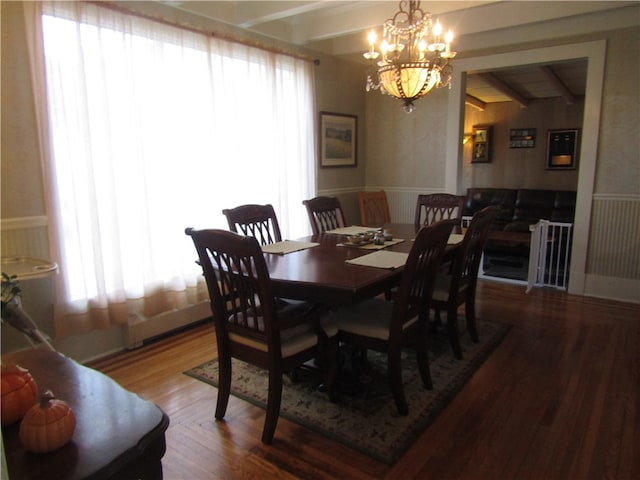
[
  {"x": 371, "y": 318},
  {"x": 293, "y": 340}
]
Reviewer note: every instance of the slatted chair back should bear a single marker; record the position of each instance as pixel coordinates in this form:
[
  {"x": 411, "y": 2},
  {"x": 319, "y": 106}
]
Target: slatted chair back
[
  {"x": 325, "y": 213},
  {"x": 416, "y": 286},
  {"x": 239, "y": 288},
  {"x": 258, "y": 221},
  {"x": 438, "y": 206},
  {"x": 466, "y": 267},
  {"x": 457, "y": 285},
  {"x": 374, "y": 209}
]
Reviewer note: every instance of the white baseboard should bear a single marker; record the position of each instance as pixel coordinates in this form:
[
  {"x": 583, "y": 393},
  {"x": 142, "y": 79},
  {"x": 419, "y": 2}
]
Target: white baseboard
[
  {"x": 613, "y": 288},
  {"x": 141, "y": 328}
]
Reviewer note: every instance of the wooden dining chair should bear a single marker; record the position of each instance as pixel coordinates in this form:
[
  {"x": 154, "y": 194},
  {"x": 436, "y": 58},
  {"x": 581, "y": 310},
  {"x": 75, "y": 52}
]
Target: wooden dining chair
[
  {"x": 374, "y": 209},
  {"x": 438, "y": 206},
  {"x": 248, "y": 325},
  {"x": 258, "y": 221},
  {"x": 457, "y": 285},
  {"x": 325, "y": 213},
  {"x": 387, "y": 327}
]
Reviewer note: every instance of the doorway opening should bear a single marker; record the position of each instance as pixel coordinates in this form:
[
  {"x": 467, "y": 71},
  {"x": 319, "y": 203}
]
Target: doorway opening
[{"x": 594, "y": 53}]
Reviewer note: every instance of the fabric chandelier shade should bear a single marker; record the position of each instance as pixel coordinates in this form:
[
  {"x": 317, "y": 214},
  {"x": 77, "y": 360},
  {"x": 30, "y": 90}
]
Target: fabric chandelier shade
[{"x": 408, "y": 81}]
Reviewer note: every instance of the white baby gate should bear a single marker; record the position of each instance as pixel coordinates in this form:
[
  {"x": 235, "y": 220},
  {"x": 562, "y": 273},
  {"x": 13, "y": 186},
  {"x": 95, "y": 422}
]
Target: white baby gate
[{"x": 549, "y": 255}]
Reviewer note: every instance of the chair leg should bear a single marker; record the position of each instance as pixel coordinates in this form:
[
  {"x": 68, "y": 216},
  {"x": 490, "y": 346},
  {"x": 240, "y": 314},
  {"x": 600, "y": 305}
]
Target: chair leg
[
  {"x": 332, "y": 367},
  {"x": 422, "y": 355},
  {"x": 273, "y": 406},
  {"x": 224, "y": 386},
  {"x": 329, "y": 362},
  {"x": 436, "y": 317},
  {"x": 394, "y": 368},
  {"x": 470, "y": 314},
  {"x": 452, "y": 328}
]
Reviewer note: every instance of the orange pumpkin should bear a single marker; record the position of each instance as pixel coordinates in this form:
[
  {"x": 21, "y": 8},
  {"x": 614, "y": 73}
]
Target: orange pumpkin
[
  {"x": 47, "y": 425},
  {"x": 19, "y": 392}
]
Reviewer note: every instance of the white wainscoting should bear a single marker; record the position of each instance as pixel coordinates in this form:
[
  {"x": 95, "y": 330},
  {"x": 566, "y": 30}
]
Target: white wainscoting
[
  {"x": 613, "y": 264},
  {"x": 402, "y": 201},
  {"x": 614, "y": 247},
  {"x": 25, "y": 237}
]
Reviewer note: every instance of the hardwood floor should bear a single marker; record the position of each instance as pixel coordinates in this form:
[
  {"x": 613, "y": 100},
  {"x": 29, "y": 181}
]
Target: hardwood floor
[{"x": 558, "y": 399}]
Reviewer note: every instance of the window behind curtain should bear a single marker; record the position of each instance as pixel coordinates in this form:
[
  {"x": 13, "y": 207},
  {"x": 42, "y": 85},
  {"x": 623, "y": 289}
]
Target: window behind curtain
[{"x": 154, "y": 129}]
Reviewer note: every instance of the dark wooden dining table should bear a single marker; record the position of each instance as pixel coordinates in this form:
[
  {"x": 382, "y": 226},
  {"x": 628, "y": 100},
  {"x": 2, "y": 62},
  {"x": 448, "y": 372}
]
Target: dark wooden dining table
[{"x": 321, "y": 274}]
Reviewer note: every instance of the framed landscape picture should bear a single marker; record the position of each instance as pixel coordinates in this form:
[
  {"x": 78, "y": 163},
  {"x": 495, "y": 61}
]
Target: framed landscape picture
[{"x": 338, "y": 140}]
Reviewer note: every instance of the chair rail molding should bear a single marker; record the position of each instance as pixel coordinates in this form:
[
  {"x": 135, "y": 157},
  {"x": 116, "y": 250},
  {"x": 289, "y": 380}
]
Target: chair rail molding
[
  {"x": 25, "y": 236},
  {"x": 19, "y": 223}
]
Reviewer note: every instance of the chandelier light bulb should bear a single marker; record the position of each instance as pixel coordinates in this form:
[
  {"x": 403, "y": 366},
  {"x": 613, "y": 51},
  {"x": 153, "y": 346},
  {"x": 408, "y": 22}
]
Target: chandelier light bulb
[
  {"x": 448, "y": 38},
  {"x": 372, "y": 38},
  {"x": 437, "y": 29},
  {"x": 371, "y": 54}
]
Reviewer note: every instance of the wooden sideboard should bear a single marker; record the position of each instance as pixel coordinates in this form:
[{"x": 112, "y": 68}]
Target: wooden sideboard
[{"x": 118, "y": 434}]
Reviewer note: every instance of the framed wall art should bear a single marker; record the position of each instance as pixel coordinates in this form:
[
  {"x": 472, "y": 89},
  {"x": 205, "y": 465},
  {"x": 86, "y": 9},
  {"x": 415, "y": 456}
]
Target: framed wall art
[
  {"x": 562, "y": 149},
  {"x": 338, "y": 140},
  {"x": 522, "y": 138},
  {"x": 481, "y": 144}
]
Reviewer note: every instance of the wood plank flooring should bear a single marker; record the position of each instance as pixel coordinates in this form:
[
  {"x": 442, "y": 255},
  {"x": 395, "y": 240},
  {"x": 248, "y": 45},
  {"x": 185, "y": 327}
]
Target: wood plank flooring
[{"x": 558, "y": 399}]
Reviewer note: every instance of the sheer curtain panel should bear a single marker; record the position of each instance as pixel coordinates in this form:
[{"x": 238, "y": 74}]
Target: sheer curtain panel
[{"x": 146, "y": 129}]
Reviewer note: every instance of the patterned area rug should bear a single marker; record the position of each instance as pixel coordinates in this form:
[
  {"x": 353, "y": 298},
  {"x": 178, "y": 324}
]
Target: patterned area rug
[{"x": 365, "y": 417}]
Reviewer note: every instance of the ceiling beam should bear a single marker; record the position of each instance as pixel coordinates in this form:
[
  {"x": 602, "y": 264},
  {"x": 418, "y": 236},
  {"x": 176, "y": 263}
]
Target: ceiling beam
[
  {"x": 503, "y": 88},
  {"x": 560, "y": 87},
  {"x": 475, "y": 103},
  {"x": 250, "y": 14}
]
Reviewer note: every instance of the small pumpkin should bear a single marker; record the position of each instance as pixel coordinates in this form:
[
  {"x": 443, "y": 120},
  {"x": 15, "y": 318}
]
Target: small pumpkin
[
  {"x": 48, "y": 425},
  {"x": 19, "y": 391}
]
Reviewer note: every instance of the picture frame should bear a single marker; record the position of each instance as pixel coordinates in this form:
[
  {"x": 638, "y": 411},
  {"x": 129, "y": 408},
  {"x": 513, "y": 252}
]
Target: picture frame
[
  {"x": 562, "y": 149},
  {"x": 338, "y": 140},
  {"x": 481, "y": 152},
  {"x": 522, "y": 138}
]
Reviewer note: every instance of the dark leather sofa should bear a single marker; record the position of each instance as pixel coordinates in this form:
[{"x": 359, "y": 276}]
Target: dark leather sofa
[{"x": 520, "y": 208}]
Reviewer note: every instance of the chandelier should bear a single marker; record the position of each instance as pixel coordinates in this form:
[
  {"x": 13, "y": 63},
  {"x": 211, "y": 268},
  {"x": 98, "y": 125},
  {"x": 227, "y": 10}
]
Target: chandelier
[{"x": 414, "y": 55}]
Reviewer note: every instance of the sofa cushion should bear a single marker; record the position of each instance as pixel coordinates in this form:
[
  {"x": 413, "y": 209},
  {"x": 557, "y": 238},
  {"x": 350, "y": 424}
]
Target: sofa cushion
[
  {"x": 505, "y": 198},
  {"x": 533, "y": 205},
  {"x": 564, "y": 207}
]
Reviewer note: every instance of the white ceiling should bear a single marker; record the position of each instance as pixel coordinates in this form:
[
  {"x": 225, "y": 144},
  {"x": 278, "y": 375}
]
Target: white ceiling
[{"x": 340, "y": 28}]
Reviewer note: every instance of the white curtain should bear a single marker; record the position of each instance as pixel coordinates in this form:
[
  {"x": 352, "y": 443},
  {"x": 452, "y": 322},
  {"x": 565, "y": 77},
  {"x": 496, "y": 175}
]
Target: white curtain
[{"x": 147, "y": 129}]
